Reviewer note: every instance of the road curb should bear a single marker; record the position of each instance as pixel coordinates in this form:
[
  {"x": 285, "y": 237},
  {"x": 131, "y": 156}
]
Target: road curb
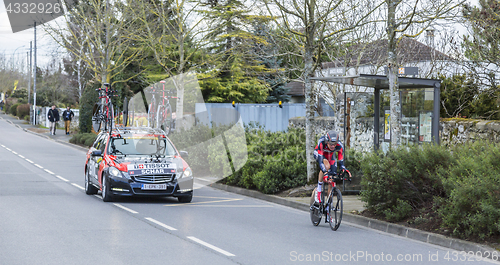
[{"x": 390, "y": 228}]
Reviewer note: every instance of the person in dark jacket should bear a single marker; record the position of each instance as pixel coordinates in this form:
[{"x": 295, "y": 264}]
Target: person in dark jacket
[
  {"x": 67, "y": 117},
  {"x": 53, "y": 116}
]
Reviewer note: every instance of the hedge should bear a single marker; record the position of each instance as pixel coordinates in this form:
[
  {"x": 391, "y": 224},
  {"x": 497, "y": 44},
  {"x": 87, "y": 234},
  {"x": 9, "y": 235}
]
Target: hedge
[{"x": 461, "y": 184}]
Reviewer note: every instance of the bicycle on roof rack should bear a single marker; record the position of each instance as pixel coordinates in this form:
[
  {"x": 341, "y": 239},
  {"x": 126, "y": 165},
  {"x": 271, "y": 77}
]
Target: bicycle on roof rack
[
  {"x": 103, "y": 111},
  {"x": 160, "y": 114},
  {"x": 333, "y": 206}
]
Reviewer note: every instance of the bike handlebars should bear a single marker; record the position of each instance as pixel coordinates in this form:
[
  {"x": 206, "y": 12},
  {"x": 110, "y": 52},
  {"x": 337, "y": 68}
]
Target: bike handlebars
[{"x": 342, "y": 176}]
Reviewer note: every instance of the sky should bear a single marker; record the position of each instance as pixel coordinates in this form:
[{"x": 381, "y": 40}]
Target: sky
[{"x": 18, "y": 43}]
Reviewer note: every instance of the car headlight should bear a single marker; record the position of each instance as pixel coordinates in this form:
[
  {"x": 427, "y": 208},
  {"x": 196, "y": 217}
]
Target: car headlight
[
  {"x": 115, "y": 172},
  {"x": 187, "y": 173}
]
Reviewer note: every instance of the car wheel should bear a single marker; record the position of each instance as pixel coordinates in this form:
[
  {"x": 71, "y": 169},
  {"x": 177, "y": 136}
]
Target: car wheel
[
  {"x": 89, "y": 188},
  {"x": 106, "y": 190},
  {"x": 185, "y": 199}
]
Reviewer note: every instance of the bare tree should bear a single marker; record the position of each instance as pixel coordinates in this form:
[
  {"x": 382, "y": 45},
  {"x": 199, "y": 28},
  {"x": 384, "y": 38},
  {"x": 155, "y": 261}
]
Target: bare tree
[
  {"x": 173, "y": 32},
  {"x": 309, "y": 23},
  {"x": 409, "y": 19},
  {"x": 98, "y": 32}
]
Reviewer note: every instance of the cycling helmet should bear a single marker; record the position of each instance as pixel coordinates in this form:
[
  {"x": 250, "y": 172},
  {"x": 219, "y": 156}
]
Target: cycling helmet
[{"x": 332, "y": 136}]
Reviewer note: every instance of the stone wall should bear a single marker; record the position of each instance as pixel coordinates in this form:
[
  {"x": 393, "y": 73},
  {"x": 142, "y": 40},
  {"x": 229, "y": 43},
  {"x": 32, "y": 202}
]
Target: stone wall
[
  {"x": 320, "y": 124},
  {"x": 453, "y": 131},
  {"x": 456, "y": 131}
]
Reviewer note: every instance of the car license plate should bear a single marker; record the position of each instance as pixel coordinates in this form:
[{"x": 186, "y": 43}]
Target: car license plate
[{"x": 153, "y": 186}]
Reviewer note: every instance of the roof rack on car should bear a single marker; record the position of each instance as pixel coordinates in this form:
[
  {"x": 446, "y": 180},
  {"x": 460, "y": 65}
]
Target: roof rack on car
[{"x": 124, "y": 130}]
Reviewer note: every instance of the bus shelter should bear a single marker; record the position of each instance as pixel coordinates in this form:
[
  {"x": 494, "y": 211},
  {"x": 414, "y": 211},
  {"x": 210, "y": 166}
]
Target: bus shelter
[{"x": 419, "y": 99}]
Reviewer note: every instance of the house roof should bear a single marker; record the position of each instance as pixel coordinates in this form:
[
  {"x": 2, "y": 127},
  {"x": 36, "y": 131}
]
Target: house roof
[{"x": 375, "y": 53}]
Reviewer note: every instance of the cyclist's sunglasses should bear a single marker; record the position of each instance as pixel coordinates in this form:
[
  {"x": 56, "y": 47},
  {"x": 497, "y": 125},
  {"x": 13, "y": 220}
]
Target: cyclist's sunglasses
[{"x": 331, "y": 143}]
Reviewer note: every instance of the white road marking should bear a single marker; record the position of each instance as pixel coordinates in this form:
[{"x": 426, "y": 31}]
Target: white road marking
[
  {"x": 48, "y": 171},
  {"x": 160, "y": 224},
  {"x": 98, "y": 196},
  {"x": 210, "y": 246},
  {"x": 21, "y": 156},
  {"x": 3, "y": 146},
  {"x": 39, "y": 166},
  {"x": 124, "y": 208},
  {"x": 15, "y": 153},
  {"x": 61, "y": 178},
  {"x": 29, "y": 161},
  {"x": 78, "y": 186},
  {"x": 8, "y": 149}
]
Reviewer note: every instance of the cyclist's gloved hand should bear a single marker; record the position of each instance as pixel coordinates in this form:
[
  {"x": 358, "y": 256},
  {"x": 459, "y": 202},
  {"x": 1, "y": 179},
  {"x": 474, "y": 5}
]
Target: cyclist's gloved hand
[{"x": 332, "y": 173}]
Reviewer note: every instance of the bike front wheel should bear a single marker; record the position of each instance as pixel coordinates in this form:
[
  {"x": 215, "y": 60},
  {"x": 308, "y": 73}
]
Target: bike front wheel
[
  {"x": 314, "y": 211},
  {"x": 335, "y": 208}
]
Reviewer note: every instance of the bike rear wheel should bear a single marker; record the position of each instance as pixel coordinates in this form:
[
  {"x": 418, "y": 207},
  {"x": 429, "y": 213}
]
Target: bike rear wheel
[
  {"x": 125, "y": 112},
  {"x": 164, "y": 117},
  {"x": 335, "y": 208},
  {"x": 151, "y": 116},
  {"x": 314, "y": 211},
  {"x": 108, "y": 112},
  {"x": 97, "y": 117}
]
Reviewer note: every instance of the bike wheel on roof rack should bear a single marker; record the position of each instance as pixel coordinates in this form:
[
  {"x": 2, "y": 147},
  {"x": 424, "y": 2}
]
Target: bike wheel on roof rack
[{"x": 96, "y": 117}]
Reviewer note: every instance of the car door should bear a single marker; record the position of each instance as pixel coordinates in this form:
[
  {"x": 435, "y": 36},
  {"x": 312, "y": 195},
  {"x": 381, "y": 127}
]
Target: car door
[
  {"x": 94, "y": 160},
  {"x": 99, "y": 162}
]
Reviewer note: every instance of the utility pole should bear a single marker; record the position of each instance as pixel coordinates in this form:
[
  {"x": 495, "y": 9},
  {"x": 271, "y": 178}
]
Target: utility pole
[
  {"x": 29, "y": 73},
  {"x": 34, "y": 82}
]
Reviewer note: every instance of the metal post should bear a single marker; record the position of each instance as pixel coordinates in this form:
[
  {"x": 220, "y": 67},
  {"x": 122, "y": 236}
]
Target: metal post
[
  {"x": 376, "y": 118},
  {"x": 436, "y": 114}
]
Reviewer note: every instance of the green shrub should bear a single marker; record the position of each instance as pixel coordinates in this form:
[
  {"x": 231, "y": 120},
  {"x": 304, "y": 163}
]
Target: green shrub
[
  {"x": 27, "y": 118},
  {"x": 461, "y": 184},
  {"x": 87, "y": 101},
  {"x": 196, "y": 142},
  {"x": 280, "y": 174},
  {"x": 398, "y": 212},
  {"x": 13, "y": 109},
  {"x": 86, "y": 139},
  {"x": 408, "y": 174},
  {"x": 23, "y": 110},
  {"x": 276, "y": 161},
  {"x": 472, "y": 207}
]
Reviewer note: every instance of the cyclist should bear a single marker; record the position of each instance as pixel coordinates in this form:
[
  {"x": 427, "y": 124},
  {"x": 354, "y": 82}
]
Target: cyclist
[{"x": 324, "y": 153}]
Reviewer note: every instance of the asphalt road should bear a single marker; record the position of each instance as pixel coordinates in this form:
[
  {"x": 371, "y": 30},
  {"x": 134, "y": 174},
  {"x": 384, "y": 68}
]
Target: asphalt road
[{"x": 46, "y": 218}]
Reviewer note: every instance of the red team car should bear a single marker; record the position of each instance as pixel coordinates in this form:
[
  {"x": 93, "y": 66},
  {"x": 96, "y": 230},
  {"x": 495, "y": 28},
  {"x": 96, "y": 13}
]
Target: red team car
[{"x": 137, "y": 162}]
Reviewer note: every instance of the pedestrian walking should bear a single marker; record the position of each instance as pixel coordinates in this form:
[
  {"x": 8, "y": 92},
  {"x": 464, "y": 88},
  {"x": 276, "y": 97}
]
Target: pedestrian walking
[
  {"x": 53, "y": 116},
  {"x": 67, "y": 117}
]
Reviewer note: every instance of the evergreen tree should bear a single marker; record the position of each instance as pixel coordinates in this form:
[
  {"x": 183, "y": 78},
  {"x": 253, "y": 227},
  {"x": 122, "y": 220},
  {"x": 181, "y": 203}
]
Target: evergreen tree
[
  {"x": 482, "y": 46},
  {"x": 267, "y": 52},
  {"x": 235, "y": 68}
]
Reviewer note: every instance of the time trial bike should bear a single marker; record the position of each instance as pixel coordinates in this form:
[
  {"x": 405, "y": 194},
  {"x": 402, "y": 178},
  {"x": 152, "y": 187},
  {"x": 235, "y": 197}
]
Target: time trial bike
[{"x": 331, "y": 207}]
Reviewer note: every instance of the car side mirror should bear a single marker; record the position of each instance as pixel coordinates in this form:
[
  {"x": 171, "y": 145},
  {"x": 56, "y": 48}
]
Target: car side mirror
[
  {"x": 184, "y": 154},
  {"x": 96, "y": 153}
]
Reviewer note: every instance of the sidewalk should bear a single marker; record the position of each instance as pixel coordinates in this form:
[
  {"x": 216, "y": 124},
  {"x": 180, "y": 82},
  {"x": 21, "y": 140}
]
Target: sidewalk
[
  {"x": 60, "y": 135},
  {"x": 352, "y": 203}
]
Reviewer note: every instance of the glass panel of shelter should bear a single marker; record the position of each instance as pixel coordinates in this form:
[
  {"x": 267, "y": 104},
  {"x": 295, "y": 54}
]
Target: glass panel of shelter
[{"x": 416, "y": 116}]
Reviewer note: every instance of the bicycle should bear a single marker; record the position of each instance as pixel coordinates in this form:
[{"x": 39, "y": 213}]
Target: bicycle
[
  {"x": 160, "y": 116},
  {"x": 102, "y": 113},
  {"x": 331, "y": 208},
  {"x": 164, "y": 112}
]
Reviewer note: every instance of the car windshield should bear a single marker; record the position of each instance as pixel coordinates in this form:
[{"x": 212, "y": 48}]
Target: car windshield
[{"x": 141, "y": 145}]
